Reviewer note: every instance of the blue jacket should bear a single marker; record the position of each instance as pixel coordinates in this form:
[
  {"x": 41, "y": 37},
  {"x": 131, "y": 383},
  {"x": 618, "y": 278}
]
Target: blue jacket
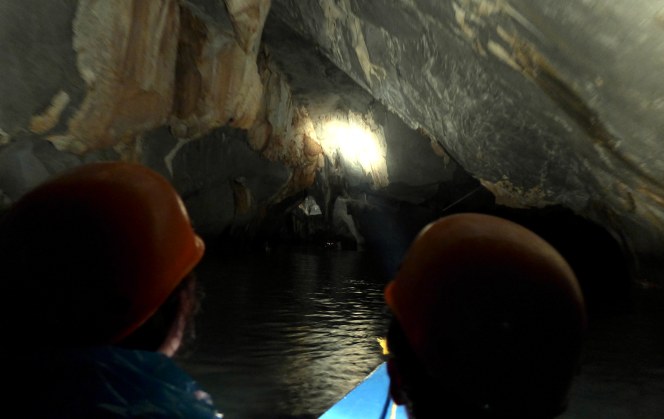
[{"x": 107, "y": 382}]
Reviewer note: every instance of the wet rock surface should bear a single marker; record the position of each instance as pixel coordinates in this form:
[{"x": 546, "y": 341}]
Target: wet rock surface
[{"x": 250, "y": 107}]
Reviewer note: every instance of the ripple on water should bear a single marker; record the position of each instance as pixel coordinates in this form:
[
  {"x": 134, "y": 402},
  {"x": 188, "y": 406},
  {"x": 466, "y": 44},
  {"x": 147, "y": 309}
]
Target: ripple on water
[{"x": 287, "y": 333}]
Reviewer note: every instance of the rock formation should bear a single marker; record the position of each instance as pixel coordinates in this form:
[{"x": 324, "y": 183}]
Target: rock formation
[{"x": 386, "y": 109}]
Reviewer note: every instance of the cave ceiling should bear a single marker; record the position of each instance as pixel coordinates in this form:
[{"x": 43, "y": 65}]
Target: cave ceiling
[
  {"x": 541, "y": 103},
  {"x": 544, "y": 102}
]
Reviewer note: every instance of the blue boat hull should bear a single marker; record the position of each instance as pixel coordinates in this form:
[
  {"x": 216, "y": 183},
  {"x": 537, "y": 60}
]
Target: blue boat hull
[{"x": 370, "y": 399}]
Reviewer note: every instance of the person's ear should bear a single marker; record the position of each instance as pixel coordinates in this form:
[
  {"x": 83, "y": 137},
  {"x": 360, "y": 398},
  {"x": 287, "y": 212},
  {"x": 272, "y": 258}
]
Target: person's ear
[{"x": 396, "y": 388}]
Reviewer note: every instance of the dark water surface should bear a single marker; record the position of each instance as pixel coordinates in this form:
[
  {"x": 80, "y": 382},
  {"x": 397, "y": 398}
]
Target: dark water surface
[{"x": 287, "y": 333}]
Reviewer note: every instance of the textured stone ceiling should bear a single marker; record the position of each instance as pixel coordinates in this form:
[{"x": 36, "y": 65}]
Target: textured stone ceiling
[
  {"x": 247, "y": 104},
  {"x": 544, "y": 102}
]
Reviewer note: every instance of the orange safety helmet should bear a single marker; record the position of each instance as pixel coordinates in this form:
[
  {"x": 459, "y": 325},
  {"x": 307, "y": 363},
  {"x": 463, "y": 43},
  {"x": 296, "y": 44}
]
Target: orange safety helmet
[
  {"x": 491, "y": 310},
  {"x": 94, "y": 252}
]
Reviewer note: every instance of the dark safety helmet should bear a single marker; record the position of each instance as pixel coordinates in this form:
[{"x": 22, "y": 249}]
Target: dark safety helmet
[
  {"x": 492, "y": 312},
  {"x": 92, "y": 253}
]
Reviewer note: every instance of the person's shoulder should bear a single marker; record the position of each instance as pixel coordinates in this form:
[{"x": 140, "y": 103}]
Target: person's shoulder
[{"x": 111, "y": 382}]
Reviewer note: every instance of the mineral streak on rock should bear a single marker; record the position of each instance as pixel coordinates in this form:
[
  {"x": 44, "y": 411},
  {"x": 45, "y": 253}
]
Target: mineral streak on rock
[
  {"x": 46, "y": 121},
  {"x": 217, "y": 76},
  {"x": 298, "y": 148},
  {"x": 275, "y": 120},
  {"x": 126, "y": 56},
  {"x": 524, "y": 57},
  {"x": 188, "y": 78},
  {"x": 4, "y": 137},
  {"x": 149, "y": 63},
  {"x": 248, "y": 19},
  {"x": 241, "y": 196},
  {"x": 510, "y": 195},
  {"x": 284, "y": 132}
]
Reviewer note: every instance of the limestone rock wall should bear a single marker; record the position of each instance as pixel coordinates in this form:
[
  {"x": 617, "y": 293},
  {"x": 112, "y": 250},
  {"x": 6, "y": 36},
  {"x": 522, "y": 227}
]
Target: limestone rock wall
[
  {"x": 172, "y": 84},
  {"x": 238, "y": 122},
  {"x": 544, "y": 102},
  {"x": 252, "y": 107}
]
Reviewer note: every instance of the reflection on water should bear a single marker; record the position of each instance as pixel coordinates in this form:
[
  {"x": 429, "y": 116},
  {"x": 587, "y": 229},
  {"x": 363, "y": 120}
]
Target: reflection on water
[{"x": 288, "y": 333}]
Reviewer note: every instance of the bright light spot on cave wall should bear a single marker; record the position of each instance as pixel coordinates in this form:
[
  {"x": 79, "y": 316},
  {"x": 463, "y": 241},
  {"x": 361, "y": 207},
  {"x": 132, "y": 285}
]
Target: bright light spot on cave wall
[
  {"x": 355, "y": 143},
  {"x": 358, "y": 145}
]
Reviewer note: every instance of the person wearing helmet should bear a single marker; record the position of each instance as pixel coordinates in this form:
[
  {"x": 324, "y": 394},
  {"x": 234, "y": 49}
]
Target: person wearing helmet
[
  {"x": 488, "y": 322},
  {"x": 98, "y": 293}
]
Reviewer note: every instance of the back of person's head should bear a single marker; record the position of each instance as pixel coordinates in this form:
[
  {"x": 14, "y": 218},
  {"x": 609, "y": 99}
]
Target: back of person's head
[
  {"x": 92, "y": 254},
  {"x": 489, "y": 322}
]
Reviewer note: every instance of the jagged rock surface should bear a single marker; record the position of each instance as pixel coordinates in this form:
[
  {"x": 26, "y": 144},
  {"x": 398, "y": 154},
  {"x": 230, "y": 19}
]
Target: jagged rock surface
[{"x": 405, "y": 106}]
